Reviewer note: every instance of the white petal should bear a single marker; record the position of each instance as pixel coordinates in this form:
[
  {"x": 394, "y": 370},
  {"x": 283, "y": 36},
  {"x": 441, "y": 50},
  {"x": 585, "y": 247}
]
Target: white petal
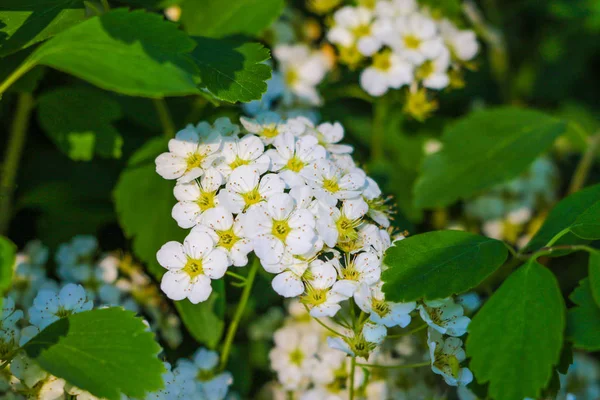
[
  {"x": 288, "y": 284},
  {"x": 215, "y": 264},
  {"x": 171, "y": 255}
]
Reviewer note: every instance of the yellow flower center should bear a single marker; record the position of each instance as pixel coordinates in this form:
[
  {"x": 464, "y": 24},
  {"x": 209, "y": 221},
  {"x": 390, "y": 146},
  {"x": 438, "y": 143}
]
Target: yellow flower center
[
  {"x": 193, "y": 160},
  {"x": 380, "y": 307},
  {"x": 295, "y": 164},
  {"x": 381, "y": 61},
  {"x": 206, "y": 200},
  {"x": 62, "y": 313},
  {"x": 238, "y": 162},
  {"x": 447, "y": 363},
  {"x": 425, "y": 70},
  {"x": 351, "y": 273},
  {"x": 251, "y": 197},
  {"x": 351, "y": 56},
  {"x": 296, "y": 357},
  {"x": 270, "y": 131},
  {"x": 412, "y": 42},
  {"x": 331, "y": 185},
  {"x": 227, "y": 239},
  {"x": 204, "y": 375},
  {"x": 361, "y": 30},
  {"x": 281, "y": 229},
  {"x": 193, "y": 267},
  {"x": 346, "y": 228},
  {"x": 291, "y": 77},
  {"x": 314, "y": 297},
  {"x": 418, "y": 106}
]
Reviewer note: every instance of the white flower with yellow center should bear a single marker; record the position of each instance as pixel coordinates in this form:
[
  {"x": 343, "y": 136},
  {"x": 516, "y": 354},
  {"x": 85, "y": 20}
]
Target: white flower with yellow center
[
  {"x": 374, "y": 239},
  {"x": 446, "y": 355},
  {"x": 279, "y": 226},
  {"x": 246, "y": 188},
  {"x": 50, "y": 306},
  {"x": 202, "y": 370},
  {"x": 357, "y": 344},
  {"x": 434, "y": 73},
  {"x": 303, "y": 69},
  {"x": 388, "y": 70},
  {"x": 352, "y": 27},
  {"x": 361, "y": 268},
  {"x": 248, "y": 150},
  {"x": 196, "y": 198},
  {"x": 323, "y": 294},
  {"x": 371, "y": 300},
  {"x": 227, "y": 234},
  {"x": 330, "y": 184},
  {"x": 395, "y": 8},
  {"x": 269, "y": 125},
  {"x": 329, "y": 135},
  {"x": 415, "y": 39},
  {"x": 190, "y": 154},
  {"x": 378, "y": 209},
  {"x": 445, "y": 316},
  {"x": 462, "y": 43},
  {"x": 339, "y": 225},
  {"x": 291, "y": 271},
  {"x": 293, "y": 156},
  {"x": 191, "y": 266}
]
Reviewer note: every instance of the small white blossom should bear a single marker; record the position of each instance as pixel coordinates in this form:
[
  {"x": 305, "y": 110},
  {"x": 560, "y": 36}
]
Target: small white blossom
[
  {"x": 388, "y": 71},
  {"x": 446, "y": 355},
  {"x": 330, "y": 184},
  {"x": 210, "y": 385},
  {"x": 269, "y": 125},
  {"x": 372, "y": 301},
  {"x": 291, "y": 157},
  {"x": 445, "y": 316},
  {"x": 50, "y": 306},
  {"x": 194, "y": 198},
  {"x": 323, "y": 294},
  {"x": 248, "y": 150},
  {"x": 353, "y": 28},
  {"x": 246, "y": 188}
]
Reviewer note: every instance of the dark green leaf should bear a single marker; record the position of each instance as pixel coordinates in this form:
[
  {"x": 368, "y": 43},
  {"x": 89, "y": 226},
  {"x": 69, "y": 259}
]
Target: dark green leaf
[
  {"x": 106, "y": 352},
  {"x": 566, "y": 358},
  {"x": 135, "y": 53},
  {"x": 144, "y": 200},
  {"x": 438, "y": 264},
  {"x": 76, "y": 127},
  {"x": 216, "y": 18},
  {"x": 26, "y": 22},
  {"x": 587, "y": 225},
  {"x": 8, "y": 252},
  {"x": 232, "y": 70},
  {"x": 205, "y": 321},
  {"x": 594, "y": 274},
  {"x": 515, "y": 340},
  {"x": 583, "y": 321},
  {"x": 482, "y": 150},
  {"x": 564, "y": 215}
]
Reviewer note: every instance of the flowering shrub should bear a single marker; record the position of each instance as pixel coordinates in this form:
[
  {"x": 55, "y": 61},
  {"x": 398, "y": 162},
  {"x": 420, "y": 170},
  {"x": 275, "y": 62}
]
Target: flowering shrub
[{"x": 306, "y": 200}]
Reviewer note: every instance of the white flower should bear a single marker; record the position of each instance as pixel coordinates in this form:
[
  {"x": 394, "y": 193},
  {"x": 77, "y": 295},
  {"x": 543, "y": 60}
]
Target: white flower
[
  {"x": 362, "y": 268},
  {"x": 189, "y": 155},
  {"x": 209, "y": 384},
  {"x": 335, "y": 225},
  {"x": 374, "y": 239},
  {"x": 462, "y": 43},
  {"x": 27, "y": 370},
  {"x": 293, "y": 354},
  {"x": 433, "y": 72},
  {"x": 194, "y": 199},
  {"x": 74, "y": 259},
  {"x": 389, "y": 70},
  {"x": 416, "y": 38},
  {"x": 374, "y": 333},
  {"x": 269, "y": 125},
  {"x": 353, "y": 27},
  {"x": 9, "y": 332},
  {"x": 291, "y": 157},
  {"x": 278, "y": 226},
  {"x": 291, "y": 271},
  {"x": 302, "y": 70},
  {"x": 225, "y": 127},
  {"x": 245, "y": 188},
  {"x": 191, "y": 266},
  {"x": 175, "y": 386},
  {"x": 446, "y": 356},
  {"x": 445, "y": 316},
  {"x": 372, "y": 301},
  {"x": 329, "y": 135},
  {"x": 227, "y": 233},
  {"x": 395, "y": 8},
  {"x": 323, "y": 294},
  {"x": 245, "y": 151},
  {"x": 50, "y": 306},
  {"x": 378, "y": 210},
  {"x": 330, "y": 184}
]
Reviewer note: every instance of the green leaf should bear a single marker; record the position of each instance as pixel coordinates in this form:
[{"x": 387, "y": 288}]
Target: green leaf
[
  {"x": 232, "y": 70},
  {"x": 564, "y": 215},
  {"x": 484, "y": 149},
  {"x": 515, "y": 340},
  {"x": 438, "y": 264},
  {"x": 26, "y": 22},
  {"x": 143, "y": 200},
  {"x": 8, "y": 252},
  {"x": 205, "y": 321},
  {"x": 78, "y": 129},
  {"x": 594, "y": 274},
  {"x": 106, "y": 352},
  {"x": 583, "y": 321},
  {"x": 216, "y": 18},
  {"x": 135, "y": 53},
  {"x": 587, "y": 225}
]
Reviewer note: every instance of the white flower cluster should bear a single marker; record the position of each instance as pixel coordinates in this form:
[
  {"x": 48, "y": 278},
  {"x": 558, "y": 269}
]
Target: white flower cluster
[
  {"x": 405, "y": 45},
  {"x": 109, "y": 281}
]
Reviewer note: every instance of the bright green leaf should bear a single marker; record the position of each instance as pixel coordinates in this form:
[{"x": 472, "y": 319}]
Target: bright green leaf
[
  {"x": 438, "y": 264},
  {"x": 8, "y": 252},
  {"x": 484, "y": 149},
  {"x": 144, "y": 200},
  {"x": 205, "y": 321},
  {"x": 594, "y": 275},
  {"x": 217, "y": 18},
  {"x": 135, "y": 53},
  {"x": 26, "y": 22},
  {"x": 232, "y": 70},
  {"x": 583, "y": 321},
  {"x": 515, "y": 340},
  {"x": 587, "y": 225},
  {"x": 78, "y": 129},
  {"x": 106, "y": 352},
  {"x": 564, "y": 215}
]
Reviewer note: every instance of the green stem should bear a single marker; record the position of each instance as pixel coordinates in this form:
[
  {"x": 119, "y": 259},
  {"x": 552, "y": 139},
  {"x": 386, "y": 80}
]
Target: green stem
[
  {"x": 165, "y": 118},
  {"x": 549, "y": 250},
  {"x": 584, "y": 166},
  {"x": 237, "y": 276},
  {"x": 105, "y": 5},
  {"x": 417, "y": 365},
  {"x": 557, "y": 237},
  {"x": 238, "y": 314},
  {"x": 14, "y": 149},
  {"x": 325, "y": 326},
  {"x": 380, "y": 113},
  {"x": 9, "y": 358},
  {"x": 15, "y": 75},
  {"x": 352, "y": 370},
  {"x": 412, "y": 331}
]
